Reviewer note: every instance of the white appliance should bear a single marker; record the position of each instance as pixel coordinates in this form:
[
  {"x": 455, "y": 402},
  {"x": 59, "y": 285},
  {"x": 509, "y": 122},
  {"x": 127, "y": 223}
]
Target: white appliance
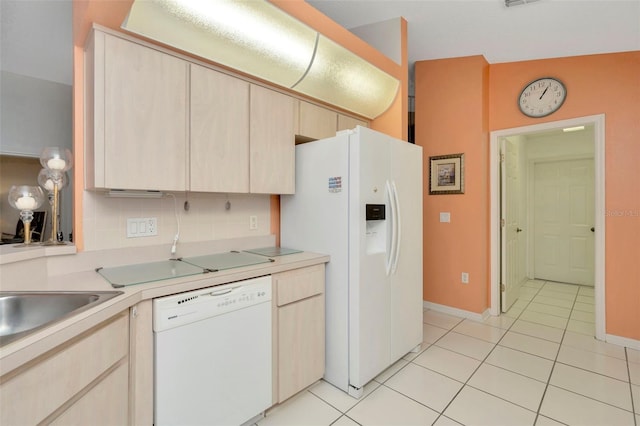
[
  {"x": 213, "y": 354},
  {"x": 359, "y": 199}
]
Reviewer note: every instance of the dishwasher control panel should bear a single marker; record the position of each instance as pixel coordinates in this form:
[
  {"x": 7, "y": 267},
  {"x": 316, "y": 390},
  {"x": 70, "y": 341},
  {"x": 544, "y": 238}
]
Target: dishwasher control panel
[{"x": 184, "y": 308}]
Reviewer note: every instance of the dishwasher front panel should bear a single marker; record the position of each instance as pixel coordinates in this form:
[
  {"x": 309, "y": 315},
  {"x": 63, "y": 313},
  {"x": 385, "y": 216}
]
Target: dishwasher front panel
[{"x": 216, "y": 370}]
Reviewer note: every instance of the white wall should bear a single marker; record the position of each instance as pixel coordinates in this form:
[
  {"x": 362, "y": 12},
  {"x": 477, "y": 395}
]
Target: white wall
[
  {"x": 554, "y": 145},
  {"x": 385, "y": 36},
  {"x": 34, "y": 114},
  {"x": 207, "y": 219}
]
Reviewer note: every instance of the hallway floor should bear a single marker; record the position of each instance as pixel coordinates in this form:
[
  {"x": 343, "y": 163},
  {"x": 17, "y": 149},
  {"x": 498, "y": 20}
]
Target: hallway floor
[{"x": 538, "y": 364}]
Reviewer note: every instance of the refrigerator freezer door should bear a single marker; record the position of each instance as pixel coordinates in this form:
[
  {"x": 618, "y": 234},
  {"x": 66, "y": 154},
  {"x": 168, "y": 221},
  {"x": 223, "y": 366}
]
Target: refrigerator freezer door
[
  {"x": 406, "y": 281},
  {"x": 369, "y": 285}
]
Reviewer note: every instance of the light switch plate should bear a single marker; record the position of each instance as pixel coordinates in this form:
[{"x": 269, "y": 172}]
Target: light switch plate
[
  {"x": 445, "y": 217},
  {"x": 142, "y": 227}
]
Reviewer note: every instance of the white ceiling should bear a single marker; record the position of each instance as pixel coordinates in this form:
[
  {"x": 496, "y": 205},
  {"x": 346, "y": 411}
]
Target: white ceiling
[
  {"x": 36, "y": 35},
  {"x": 542, "y": 29}
]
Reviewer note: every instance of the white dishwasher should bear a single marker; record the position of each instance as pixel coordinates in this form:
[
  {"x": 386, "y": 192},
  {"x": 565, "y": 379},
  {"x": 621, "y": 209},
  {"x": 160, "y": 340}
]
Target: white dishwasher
[{"x": 213, "y": 354}]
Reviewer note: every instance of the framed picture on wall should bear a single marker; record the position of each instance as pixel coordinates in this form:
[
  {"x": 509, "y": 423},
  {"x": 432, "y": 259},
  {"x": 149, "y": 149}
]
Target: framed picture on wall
[{"x": 446, "y": 174}]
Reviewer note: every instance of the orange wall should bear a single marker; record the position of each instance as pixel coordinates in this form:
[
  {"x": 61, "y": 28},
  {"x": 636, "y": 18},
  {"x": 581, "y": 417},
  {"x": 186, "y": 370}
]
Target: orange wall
[
  {"x": 596, "y": 84},
  {"x": 451, "y": 117},
  {"x": 111, "y": 13}
]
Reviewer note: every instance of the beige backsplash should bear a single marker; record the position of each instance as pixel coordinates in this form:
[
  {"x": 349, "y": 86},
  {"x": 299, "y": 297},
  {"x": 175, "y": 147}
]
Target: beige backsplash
[{"x": 207, "y": 219}]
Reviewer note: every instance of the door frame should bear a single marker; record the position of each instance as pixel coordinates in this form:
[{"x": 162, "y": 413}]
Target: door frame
[{"x": 598, "y": 121}]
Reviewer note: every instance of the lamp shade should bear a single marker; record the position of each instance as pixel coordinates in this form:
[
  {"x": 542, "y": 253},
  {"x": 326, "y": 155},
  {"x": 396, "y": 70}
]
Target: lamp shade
[
  {"x": 56, "y": 159},
  {"x": 259, "y": 39},
  {"x": 47, "y": 178},
  {"x": 25, "y": 197}
]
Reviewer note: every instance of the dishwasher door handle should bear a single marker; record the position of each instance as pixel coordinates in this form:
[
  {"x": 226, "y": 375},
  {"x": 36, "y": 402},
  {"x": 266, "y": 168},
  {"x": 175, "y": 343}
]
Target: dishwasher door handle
[{"x": 222, "y": 292}]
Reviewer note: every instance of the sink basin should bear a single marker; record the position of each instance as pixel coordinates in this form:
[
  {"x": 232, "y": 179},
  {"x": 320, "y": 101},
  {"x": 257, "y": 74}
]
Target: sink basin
[{"x": 22, "y": 313}]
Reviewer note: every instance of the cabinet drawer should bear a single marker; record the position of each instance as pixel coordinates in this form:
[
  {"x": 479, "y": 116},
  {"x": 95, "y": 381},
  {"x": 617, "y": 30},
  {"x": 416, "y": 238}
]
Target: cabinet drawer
[
  {"x": 50, "y": 381},
  {"x": 299, "y": 284}
]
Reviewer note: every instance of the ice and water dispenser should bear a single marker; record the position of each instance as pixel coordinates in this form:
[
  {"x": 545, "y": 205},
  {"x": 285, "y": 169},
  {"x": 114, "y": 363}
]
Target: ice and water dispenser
[{"x": 376, "y": 231}]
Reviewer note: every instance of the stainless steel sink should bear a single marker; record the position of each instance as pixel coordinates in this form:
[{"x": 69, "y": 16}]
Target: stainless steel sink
[{"x": 22, "y": 313}]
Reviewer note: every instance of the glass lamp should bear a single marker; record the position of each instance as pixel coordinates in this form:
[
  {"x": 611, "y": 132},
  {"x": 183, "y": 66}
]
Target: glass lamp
[
  {"x": 26, "y": 199},
  {"x": 47, "y": 182},
  {"x": 56, "y": 161}
]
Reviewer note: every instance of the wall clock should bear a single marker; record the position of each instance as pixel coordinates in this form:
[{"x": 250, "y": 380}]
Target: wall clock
[{"x": 542, "y": 97}]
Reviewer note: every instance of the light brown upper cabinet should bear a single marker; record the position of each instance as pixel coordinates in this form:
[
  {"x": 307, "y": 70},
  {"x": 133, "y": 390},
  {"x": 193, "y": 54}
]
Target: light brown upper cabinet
[
  {"x": 345, "y": 122},
  {"x": 271, "y": 142},
  {"x": 219, "y": 148},
  {"x": 156, "y": 120},
  {"x": 316, "y": 122},
  {"x": 136, "y": 110}
]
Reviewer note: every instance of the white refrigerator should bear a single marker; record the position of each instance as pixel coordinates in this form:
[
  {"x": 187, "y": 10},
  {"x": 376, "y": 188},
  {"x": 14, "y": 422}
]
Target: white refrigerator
[{"x": 359, "y": 199}]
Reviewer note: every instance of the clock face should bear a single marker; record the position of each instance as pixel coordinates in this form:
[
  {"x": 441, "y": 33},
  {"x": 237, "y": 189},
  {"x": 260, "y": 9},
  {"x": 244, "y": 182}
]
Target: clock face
[{"x": 542, "y": 97}]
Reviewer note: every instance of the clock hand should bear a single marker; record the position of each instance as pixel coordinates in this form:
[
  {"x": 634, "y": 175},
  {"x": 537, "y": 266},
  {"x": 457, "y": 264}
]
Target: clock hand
[{"x": 545, "y": 91}]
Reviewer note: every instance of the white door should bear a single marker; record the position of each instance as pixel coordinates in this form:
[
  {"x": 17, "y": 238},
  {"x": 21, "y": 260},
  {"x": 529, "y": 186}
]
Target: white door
[
  {"x": 512, "y": 239},
  {"x": 563, "y": 221},
  {"x": 369, "y": 291},
  {"x": 406, "y": 280}
]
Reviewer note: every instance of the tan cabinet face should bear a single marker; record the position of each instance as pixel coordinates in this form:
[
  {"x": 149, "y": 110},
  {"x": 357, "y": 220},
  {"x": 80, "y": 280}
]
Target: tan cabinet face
[
  {"x": 299, "y": 329},
  {"x": 219, "y": 132},
  {"x": 271, "y": 142},
  {"x": 316, "y": 122},
  {"x": 345, "y": 122},
  {"x": 145, "y": 117}
]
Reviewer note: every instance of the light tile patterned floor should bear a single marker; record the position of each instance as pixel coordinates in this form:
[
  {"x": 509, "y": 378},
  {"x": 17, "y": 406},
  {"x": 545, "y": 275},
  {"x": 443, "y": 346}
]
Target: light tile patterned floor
[{"x": 538, "y": 364}]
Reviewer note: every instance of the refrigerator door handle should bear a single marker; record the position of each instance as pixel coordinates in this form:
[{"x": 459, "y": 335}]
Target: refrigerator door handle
[
  {"x": 391, "y": 252},
  {"x": 398, "y": 227}
]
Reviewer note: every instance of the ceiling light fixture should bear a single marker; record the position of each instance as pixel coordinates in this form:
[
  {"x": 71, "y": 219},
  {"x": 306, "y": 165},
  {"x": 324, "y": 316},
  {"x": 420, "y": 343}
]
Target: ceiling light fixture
[
  {"x": 259, "y": 39},
  {"x": 125, "y": 193},
  {"x": 510, "y": 3}
]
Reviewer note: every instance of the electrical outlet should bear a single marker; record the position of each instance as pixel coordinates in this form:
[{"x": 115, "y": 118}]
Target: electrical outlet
[
  {"x": 142, "y": 227},
  {"x": 465, "y": 278},
  {"x": 253, "y": 222}
]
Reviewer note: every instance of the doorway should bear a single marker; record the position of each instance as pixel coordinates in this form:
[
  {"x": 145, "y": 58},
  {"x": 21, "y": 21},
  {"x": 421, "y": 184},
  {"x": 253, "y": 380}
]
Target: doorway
[
  {"x": 497, "y": 137},
  {"x": 563, "y": 214}
]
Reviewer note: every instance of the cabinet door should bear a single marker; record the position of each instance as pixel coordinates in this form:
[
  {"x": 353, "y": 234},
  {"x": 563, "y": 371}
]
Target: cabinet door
[
  {"x": 55, "y": 379},
  {"x": 105, "y": 404},
  {"x": 145, "y": 117},
  {"x": 316, "y": 122},
  {"x": 272, "y": 142},
  {"x": 300, "y": 329},
  {"x": 300, "y": 345},
  {"x": 219, "y": 147},
  {"x": 345, "y": 122}
]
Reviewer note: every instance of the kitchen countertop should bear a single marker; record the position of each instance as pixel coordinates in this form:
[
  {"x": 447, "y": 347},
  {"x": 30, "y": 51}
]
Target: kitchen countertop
[{"x": 18, "y": 353}]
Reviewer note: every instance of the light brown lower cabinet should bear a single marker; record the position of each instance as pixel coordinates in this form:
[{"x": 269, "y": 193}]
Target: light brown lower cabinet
[
  {"x": 298, "y": 330},
  {"x": 105, "y": 404},
  {"x": 85, "y": 378}
]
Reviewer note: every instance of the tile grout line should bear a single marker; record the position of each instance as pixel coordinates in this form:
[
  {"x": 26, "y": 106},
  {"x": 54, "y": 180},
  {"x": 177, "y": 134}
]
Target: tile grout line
[
  {"x": 633, "y": 408},
  {"x": 544, "y": 393},
  {"x": 466, "y": 383}
]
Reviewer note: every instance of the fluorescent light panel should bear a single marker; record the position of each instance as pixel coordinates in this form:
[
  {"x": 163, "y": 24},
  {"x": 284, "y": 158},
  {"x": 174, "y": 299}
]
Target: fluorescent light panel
[
  {"x": 257, "y": 38},
  {"x": 573, "y": 129}
]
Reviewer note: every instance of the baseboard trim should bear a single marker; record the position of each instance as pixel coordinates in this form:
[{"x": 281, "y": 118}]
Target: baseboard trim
[
  {"x": 456, "y": 311},
  {"x": 622, "y": 341}
]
